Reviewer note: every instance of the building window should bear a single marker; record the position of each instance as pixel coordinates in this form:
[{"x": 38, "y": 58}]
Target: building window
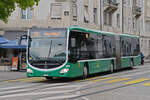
[
  {"x": 147, "y": 26},
  {"x": 26, "y": 14},
  {"x": 105, "y": 18},
  {"x": 74, "y": 12},
  {"x": 118, "y": 20},
  {"x": 86, "y": 14},
  {"x": 108, "y": 18},
  {"x": 56, "y": 11},
  {"x": 66, "y": 13},
  {"x": 129, "y": 24},
  {"x": 95, "y": 15}
]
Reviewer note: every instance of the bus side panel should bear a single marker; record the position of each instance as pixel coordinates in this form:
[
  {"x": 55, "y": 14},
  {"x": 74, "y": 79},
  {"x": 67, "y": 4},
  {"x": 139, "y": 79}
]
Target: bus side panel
[
  {"x": 137, "y": 60},
  {"x": 93, "y": 67},
  {"x": 76, "y": 70},
  {"x": 125, "y": 62},
  {"x": 106, "y": 64},
  {"x": 99, "y": 66}
]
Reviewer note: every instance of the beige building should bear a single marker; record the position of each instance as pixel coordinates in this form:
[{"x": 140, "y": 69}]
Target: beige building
[
  {"x": 145, "y": 35},
  {"x": 119, "y": 16}
]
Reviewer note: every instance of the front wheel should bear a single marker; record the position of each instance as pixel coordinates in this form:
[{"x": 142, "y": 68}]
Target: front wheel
[{"x": 49, "y": 78}]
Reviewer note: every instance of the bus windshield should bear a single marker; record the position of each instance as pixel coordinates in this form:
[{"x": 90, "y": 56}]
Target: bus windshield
[{"x": 47, "y": 48}]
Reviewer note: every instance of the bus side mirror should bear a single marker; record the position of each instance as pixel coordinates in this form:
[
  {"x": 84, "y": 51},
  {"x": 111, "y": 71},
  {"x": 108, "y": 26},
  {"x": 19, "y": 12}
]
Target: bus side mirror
[{"x": 20, "y": 39}]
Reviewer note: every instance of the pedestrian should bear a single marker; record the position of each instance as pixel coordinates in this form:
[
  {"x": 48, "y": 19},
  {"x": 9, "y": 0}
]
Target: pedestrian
[{"x": 142, "y": 58}]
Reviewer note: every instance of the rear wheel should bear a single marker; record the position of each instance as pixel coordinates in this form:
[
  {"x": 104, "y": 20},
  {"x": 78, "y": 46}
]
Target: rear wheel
[{"x": 85, "y": 72}]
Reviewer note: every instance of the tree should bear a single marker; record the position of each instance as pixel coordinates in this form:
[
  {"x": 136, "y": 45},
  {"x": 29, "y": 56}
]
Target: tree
[{"x": 8, "y": 6}]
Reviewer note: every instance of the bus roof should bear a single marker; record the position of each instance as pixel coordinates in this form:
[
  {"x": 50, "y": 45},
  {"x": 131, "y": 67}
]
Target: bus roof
[
  {"x": 128, "y": 35},
  {"x": 101, "y": 32},
  {"x": 91, "y": 30}
]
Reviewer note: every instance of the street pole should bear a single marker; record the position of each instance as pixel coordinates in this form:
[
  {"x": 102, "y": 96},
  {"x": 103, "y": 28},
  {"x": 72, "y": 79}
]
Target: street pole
[
  {"x": 100, "y": 14},
  {"x": 122, "y": 17}
]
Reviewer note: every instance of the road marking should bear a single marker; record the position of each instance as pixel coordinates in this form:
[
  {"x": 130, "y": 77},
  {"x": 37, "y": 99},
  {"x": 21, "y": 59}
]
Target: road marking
[
  {"x": 38, "y": 93},
  {"x": 102, "y": 79},
  {"x": 135, "y": 74},
  {"x": 34, "y": 79},
  {"x": 136, "y": 81},
  {"x": 85, "y": 98},
  {"x": 146, "y": 84},
  {"x": 15, "y": 87},
  {"x": 66, "y": 97},
  {"x": 27, "y": 79},
  {"x": 87, "y": 79},
  {"x": 117, "y": 80},
  {"x": 14, "y": 91}
]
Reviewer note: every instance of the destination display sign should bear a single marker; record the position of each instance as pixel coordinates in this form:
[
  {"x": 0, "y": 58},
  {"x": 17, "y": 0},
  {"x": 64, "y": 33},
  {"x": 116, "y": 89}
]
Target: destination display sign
[{"x": 47, "y": 33}]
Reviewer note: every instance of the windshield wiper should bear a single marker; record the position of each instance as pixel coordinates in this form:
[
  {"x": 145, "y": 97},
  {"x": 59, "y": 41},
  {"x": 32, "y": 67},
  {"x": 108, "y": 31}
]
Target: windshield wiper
[{"x": 50, "y": 48}]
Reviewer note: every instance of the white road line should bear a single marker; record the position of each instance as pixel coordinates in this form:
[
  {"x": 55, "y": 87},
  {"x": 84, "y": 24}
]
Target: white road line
[
  {"x": 85, "y": 98},
  {"x": 13, "y": 91},
  {"x": 75, "y": 87},
  {"x": 30, "y": 86},
  {"x": 59, "y": 97},
  {"x": 15, "y": 87},
  {"x": 69, "y": 86},
  {"x": 38, "y": 93},
  {"x": 139, "y": 73}
]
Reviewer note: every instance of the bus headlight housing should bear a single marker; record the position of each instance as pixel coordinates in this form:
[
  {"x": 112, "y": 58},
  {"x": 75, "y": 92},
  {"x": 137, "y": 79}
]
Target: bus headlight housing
[
  {"x": 29, "y": 70},
  {"x": 64, "y": 71}
]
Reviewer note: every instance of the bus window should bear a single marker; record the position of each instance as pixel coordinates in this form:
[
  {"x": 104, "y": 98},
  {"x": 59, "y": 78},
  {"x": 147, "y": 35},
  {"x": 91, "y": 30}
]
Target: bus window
[
  {"x": 108, "y": 46},
  {"x": 99, "y": 48},
  {"x": 73, "y": 42},
  {"x": 92, "y": 46}
]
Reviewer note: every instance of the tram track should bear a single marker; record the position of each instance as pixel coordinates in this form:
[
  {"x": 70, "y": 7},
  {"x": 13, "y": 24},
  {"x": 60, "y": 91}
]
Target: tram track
[{"x": 103, "y": 91}]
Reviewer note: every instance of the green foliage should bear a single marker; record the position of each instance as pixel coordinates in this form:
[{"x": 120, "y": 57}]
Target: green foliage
[{"x": 8, "y": 6}]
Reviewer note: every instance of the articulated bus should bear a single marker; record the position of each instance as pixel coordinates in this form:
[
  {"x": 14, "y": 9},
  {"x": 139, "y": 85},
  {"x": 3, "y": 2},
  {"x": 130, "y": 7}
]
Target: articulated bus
[{"x": 75, "y": 51}]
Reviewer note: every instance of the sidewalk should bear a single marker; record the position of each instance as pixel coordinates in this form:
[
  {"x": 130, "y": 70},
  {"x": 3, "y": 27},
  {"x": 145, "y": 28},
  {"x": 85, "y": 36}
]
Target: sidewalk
[
  {"x": 147, "y": 60},
  {"x": 11, "y": 75}
]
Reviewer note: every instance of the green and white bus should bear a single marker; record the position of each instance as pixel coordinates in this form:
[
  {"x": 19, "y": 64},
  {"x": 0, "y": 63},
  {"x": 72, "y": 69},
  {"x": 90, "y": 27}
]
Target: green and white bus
[{"x": 75, "y": 51}]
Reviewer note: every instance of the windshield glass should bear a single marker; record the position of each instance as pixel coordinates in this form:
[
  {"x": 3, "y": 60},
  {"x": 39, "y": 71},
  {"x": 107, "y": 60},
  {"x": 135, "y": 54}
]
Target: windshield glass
[{"x": 47, "y": 49}]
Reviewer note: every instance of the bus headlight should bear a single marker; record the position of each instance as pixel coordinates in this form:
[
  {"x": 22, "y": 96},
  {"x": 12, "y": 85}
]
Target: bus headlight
[
  {"x": 64, "y": 71},
  {"x": 29, "y": 70}
]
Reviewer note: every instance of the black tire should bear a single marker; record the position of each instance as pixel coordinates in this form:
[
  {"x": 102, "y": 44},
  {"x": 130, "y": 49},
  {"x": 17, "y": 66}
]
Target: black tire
[
  {"x": 49, "y": 78},
  {"x": 85, "y": 72},
  {"x": 111, "y": 68}
]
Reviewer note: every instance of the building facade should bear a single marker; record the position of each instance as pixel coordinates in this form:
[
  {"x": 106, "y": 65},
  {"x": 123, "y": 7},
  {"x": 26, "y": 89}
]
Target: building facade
[{"x": 119, "y": 16}]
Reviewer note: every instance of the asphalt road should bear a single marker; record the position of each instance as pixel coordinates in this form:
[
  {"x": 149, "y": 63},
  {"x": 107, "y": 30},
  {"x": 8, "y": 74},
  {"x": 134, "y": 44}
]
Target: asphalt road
[{"x": 129, "y": 84}]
